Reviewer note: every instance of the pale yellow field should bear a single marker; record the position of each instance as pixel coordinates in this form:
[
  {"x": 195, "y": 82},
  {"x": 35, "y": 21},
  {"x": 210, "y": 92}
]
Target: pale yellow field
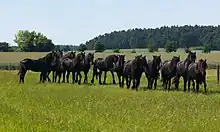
[{"x": 15, "y": 57}]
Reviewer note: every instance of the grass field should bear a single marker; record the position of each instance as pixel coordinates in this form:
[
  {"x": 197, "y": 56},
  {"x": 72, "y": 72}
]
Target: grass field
[{"x": 71, "y": 107}]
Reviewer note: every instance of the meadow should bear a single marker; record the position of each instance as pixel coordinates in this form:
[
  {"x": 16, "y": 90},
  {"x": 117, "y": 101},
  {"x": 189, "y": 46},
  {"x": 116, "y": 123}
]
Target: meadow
[{"x": 70, "y": 107}]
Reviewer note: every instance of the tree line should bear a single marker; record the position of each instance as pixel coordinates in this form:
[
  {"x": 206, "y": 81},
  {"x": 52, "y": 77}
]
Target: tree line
[
  {"x": 171, "y": 38},
  {"x": 175, "y": 36}
]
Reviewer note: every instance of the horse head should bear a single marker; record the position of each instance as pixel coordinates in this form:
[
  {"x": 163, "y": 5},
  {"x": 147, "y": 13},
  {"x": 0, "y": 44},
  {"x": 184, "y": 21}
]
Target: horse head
[
  {"x": 157, "y": 61},
  {"x": 191, "y": 56},
  {"x": 202, "y": 66},
  {"x": 115, "y": 59},
  {"x": 90, "y": 57},
  {"x": 175, "y": 60},
  {"x": 121, "y": 60}
]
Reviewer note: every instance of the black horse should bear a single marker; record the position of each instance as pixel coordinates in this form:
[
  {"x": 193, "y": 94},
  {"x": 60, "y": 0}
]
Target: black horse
[
  {"x": 105, "y": 65},
  {"x": 42, "y": 65},
  {"x": 182, "y": 68},
  {"x": 153, "y": 72},
  {"x": 197, "y": 72},
  {"x": 69, "y": 55},
  {"x": 168, "y": 71},
  {"x": 54, "y": 68},
  {"x": 133, "y": 70},
  {"x": 85, "y": 66},
  {"x": 70, "y": 65},
  {"x": 119, "y": 69}
]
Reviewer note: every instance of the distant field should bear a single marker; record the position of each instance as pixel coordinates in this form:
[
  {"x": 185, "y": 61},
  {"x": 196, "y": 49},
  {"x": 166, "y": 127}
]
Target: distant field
[
  {"x": 71, "y": 107},
  {"x": 15, "y": 57}
]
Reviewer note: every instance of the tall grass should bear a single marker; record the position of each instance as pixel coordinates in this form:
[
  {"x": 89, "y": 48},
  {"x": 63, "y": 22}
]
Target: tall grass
[{"x": 71, "y": 107}]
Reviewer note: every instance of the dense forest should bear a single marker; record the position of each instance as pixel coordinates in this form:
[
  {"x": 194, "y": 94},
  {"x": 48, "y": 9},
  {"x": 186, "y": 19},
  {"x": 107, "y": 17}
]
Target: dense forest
[{"x": 183, "y": 36}]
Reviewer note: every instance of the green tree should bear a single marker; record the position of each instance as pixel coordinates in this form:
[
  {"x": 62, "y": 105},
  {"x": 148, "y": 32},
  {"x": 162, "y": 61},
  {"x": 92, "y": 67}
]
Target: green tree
[
  {"x": 171, "y": 46},
  {"x": 82, "y": 47},
  {"x": 206, "y": 48},
  {"x": 99, "y": 47},
  {"x": 33, "y": 42},
  {"x": 152, "y": 46},
  {"x": 4, "y": 47}
]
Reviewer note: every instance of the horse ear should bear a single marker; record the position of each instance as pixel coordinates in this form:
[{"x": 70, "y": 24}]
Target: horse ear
[
  {"x": 205, "y": 60},
  {"x": 154, "y": 56}
]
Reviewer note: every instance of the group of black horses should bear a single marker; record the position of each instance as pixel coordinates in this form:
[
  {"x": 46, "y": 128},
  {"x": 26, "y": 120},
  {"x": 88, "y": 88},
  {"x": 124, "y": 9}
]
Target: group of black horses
[{"x": 130, "y": 70}]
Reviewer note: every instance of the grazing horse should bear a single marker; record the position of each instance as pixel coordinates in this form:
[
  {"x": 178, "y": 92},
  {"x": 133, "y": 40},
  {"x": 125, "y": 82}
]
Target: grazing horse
[
  {"x": 168, "y": 71},
  {"x": 132, "y": 71},
  {"x": 119, "y": 69},
  {"x": 197, "y": 71},
  {"x": 105, "y": 65},
  {"x": 42, "y": 65},
  {"x": 85, "y": 66},
  {"x": 182, "y": 67},
  {"x": 70, "y": 65},
  {"x": 153, "y": 72}
]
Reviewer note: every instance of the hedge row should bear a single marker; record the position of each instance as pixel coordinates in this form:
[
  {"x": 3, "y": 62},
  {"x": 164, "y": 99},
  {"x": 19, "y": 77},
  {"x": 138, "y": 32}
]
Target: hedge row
[{"x": 11, "y": 66}]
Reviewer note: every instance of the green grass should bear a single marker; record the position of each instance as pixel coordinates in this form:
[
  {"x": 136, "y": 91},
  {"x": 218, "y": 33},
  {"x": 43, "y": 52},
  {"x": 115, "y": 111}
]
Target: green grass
[{"x": 71, "y": 107}]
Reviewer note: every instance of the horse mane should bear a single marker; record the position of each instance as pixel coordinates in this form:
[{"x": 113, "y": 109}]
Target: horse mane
[{"x": 47, "y": 56}]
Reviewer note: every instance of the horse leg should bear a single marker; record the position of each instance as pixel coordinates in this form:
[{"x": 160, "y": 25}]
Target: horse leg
[
  {"x": 122, "y": 81},
  {"x": 73, "y": 77},
  {"x": 67, "y": 76},
  {"x": 47, "y": 76},
  {"x": 205, "y": 85},
  {"x": 127, "y": 81},
  {"x": 189, "y": 83},
  {"x": 94, "y": 74},
  {"x": 155, "y": 83},
  {"x": 105, "y": 74},
  {"x": 100, "y": 77},
  {"x": 119, "y": 79},
  {"x": 113, "y": 77},
  {"x": 165, "y": 84},
  {"x": 177, "y": 81},
  {"x": 55, "y": 76},
  {"x": 184, "y": 83},
  {"x": 43, "y": 76},
  {"x": 133, "y": 80},
  {"x": 59, "y": 76},
  {"x": 80, "y": 77},
  {"x": 86, "y": 76},
  {"x": 64, "y": 76},
  {"x": 193, "y": 85},
  {"x": 22, "y": 76},
  {"x": 138, "y": 83},
  {"x": 169, "y": 83}
]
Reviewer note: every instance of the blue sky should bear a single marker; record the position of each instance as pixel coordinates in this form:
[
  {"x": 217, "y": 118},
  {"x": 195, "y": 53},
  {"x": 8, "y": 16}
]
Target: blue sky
[{"x": 76, "y": 21}]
